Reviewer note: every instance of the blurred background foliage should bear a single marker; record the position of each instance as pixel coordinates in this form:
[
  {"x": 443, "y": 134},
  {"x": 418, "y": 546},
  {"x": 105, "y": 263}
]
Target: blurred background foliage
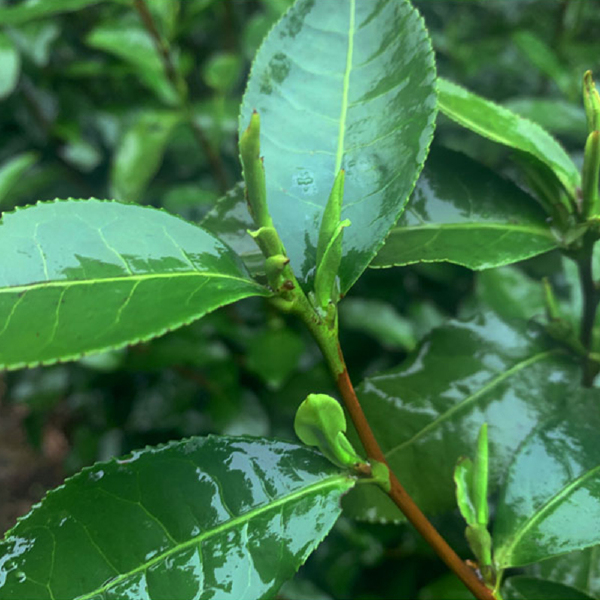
[{"x": 94, "y": 106}]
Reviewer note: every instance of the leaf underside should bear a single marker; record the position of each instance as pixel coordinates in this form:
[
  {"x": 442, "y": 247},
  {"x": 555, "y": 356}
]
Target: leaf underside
[
  {"x": 463, "y": 213},
  {"x": 509, "y": 129}
]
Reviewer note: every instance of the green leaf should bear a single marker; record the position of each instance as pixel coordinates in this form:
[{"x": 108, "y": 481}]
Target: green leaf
[
  {"x": 86, "y": 276},
  {"x": 510, "y": 293},
  {"x": 12, "y": 170},
  {"x": 509, "y": 129},
  {"x": 580, "y": 569},
  {"x": 553, "y": 114},
  {"x": 222, "y": 71},
  {"x": 320, "y": 421},
  {"x": 380, "y": 320},
  {"x": 230, "y": 221},
  {"x": 202, "y": 518},
  {"x": 34, "y": 9},
  {"x": 522, "y": 587},
  {"x": 542, "y": 56},
  {"x": 274, "y": 355},
  {"x": 349, "y": 88},
  {"x": 551, "y": 500},
  {"x": 463, "y": 213},
  {"x": 140, "y": 153},
  {"x": 427, "y": 412},
  {"x": 10, "y": 65},
  {"x": 134, "y": 46}
]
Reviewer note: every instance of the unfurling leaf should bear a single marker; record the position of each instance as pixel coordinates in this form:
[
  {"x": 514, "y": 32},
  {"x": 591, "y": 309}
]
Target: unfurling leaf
[{"x": 320, "y": 422}]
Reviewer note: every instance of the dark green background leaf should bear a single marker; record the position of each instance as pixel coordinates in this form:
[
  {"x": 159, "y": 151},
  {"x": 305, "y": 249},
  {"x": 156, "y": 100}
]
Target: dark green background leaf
[
  {"x": 530, "y": 588},
  {"x": 215, "y": 517},
  {"x": 84, "y": 276},
  {"x": 349, "y": 88}
]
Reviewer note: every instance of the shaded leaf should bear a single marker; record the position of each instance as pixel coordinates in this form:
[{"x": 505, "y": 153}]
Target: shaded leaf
[
  {"x": 34, "y": 9},
  {"x": 509, "y": 129},
  {"x": 10, "y": 65},
  {"x": 230, "y": 221},
  {"x": 462, "y": 212},
  {"x": 551, "y": 500},
  {"x": 140, "y": 153},
  {"x": 201, "y": 518},
  {"x": 542, "y": 56},
  {"x": 222, "y": 71},
  {"x": 349, "y": 88},
  {"x": 531, "y": 588},
  {"x": 85, "y": 276},
  {"x": 274, "y": 355},
  {"x": 134, "y": 46},
  {"x": 579, "y": 569},
  {"x": 380, "y": 320},
  {"x": 510, "y": 293},
  {"x": 427, "y": 412},
  {"x": 12, "y": 170}
]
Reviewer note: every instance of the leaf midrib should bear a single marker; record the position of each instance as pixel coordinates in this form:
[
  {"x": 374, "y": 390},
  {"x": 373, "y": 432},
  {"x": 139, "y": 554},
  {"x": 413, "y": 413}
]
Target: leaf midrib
[
  {"x": 533, "y": 229},
  {"x": 331, "y": 482},
  {"x": 473, "y": 397},
  {"x": 345, "y": 89},
  {"x": 506, "y": 551},
  {"x": 127, "y": 278}
]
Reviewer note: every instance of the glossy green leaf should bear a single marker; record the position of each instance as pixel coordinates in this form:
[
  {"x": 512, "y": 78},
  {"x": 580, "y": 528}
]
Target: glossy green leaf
[
  {"x": 509, "y": 129},
  {"x": 133, "y": 45},
  {"x": 522, "y": 587},
  {"x": 463, "y": 213},
  {"x": 85, "y": 276},
  {"x": 230, "y": 221},
  {"x": 28, "y": 10},
  {"x": 345, "y": 85},
  {"x": 579, "y": 569},
  {"x": 216, "y": 517},
  {"x": 140, "y": 153},
  {"x": 551, "y": 500},
  {"x": 12, "y": 170},
  {"x": 427, "y": 412},
  {"x": 553, "y": 114},
  {"x": 10, "y": 65}
]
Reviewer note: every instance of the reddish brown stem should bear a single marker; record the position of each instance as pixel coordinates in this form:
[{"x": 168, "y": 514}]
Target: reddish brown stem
[{"x": 401, "y": 498}]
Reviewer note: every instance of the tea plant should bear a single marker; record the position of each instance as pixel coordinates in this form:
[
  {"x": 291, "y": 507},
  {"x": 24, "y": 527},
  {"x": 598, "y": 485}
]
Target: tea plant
[{"x": 496, "y": 413}]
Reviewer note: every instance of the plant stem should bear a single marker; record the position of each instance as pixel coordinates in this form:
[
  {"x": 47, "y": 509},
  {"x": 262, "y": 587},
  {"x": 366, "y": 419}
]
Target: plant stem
[
  {"x": 590, "y": 305},
  {"x": 180, "y": 86},
  {"x": 332, "y": 352}
]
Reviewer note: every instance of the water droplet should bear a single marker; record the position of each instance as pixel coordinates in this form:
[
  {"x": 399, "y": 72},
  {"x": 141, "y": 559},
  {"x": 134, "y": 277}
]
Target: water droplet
[{"x": 97, "y": 475}]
